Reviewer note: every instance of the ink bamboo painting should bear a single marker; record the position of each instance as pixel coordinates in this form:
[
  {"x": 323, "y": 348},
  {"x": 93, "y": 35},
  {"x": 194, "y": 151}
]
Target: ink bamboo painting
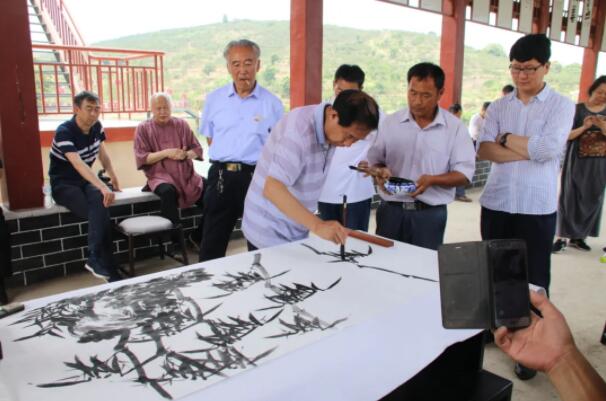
[{"x": 183, "y": 330}]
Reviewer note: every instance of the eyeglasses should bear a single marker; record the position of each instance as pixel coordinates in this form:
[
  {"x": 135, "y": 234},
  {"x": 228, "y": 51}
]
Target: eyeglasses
[{"x": 526, "y": 70}]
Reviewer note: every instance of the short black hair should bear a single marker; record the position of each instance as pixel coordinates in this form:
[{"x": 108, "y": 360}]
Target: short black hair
[
  {"x": 427, "y": 70},
  {"x": 507, "y": 89},
  {"x": 601, "y": 80},
  {"x": 85, "y": 95},
  {"x": 534, "y": 46},
  {"x": 485, "y": 105},
  {"x": 350, "y": 73},
  {"x": 353, "y": 106},
  {"x": 455, "y": 108}
]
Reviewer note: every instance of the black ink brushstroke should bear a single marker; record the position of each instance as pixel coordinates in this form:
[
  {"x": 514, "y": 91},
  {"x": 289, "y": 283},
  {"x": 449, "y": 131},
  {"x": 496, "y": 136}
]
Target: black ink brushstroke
[
  {"x": 352, "y": 257},
  {"x": 290, "y": 295},
  {"x": 225, "y": 333},
  {"x": 301, "y": 325},
  {"x": 241, "y": 281}
]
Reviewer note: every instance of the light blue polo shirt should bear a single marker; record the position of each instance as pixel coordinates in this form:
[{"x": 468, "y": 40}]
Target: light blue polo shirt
[
  {"x": 298, "y": 156},
  {"x": 239, "y": 127}
]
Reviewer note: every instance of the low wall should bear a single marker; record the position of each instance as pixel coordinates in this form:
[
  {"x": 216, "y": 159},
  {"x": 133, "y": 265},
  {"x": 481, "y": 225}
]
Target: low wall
[{"x": 52, "y": 242}]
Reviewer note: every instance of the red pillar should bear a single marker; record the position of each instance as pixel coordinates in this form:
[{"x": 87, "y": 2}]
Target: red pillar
[
  {"x": 590, "y": 54},
  {"x": 452, "y": 50},
  {"x": 21, "y": 185},
  {"x": 306, "y": 36},
  {"x": 540, "y": 25}
]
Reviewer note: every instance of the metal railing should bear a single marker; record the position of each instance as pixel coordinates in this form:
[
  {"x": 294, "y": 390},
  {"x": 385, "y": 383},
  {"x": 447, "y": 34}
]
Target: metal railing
[
  {"x": 123, "y": 79},
  {"x": 59, "y": 22}
]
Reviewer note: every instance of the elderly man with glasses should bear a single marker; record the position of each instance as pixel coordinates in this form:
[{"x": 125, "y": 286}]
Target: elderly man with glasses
[{"x": 524, "y": 135}]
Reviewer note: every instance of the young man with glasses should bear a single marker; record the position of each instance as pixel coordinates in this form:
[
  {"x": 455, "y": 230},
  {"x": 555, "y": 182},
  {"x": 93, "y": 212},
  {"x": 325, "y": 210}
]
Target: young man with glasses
[{"x": 524, "y": 135}]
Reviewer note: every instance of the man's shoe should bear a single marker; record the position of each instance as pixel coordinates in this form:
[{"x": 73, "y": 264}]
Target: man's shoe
[
  {"x": 463, "y": 198},
  {"x": 559, "y": 245},
  {"x": 97, "y": 270},
  {"x": 580, "y": 244},
  {"x": 523, "y": 372},
  {"x": 115, "y": 277}
]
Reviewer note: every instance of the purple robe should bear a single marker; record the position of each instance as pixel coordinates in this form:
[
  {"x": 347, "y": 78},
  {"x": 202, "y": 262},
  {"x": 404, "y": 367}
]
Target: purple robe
[{"x": 151, "y": 137}]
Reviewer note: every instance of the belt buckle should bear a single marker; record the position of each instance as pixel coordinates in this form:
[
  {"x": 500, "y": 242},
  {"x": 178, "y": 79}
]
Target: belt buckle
[
  {"x": 232, "y": 167},
  {"x": 409, "y": 206}
]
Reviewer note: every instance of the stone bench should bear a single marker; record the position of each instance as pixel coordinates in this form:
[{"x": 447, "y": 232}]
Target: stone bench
[{"x": 51, "y": 242}]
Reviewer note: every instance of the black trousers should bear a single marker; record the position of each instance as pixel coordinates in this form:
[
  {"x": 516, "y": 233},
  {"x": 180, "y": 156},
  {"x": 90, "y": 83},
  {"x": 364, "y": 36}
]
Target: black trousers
[
  {"x": 86, "y": 202},
  {"x": 537, "y": 230},
  {"x": 169, "y": 206},
  {"x": 424, "y": 228},
  {"x": 223, "y": 206},
  {"x": 358, "y": 213}
]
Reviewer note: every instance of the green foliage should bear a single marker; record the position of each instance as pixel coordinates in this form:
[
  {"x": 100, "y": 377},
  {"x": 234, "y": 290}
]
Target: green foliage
[
  {"x": 194, "y": 63},
  {"x": 495, "y": 50}
]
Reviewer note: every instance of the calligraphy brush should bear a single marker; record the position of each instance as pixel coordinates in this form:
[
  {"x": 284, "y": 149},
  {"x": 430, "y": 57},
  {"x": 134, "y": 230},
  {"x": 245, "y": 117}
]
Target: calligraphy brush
[{"x": 344, "y": 222}]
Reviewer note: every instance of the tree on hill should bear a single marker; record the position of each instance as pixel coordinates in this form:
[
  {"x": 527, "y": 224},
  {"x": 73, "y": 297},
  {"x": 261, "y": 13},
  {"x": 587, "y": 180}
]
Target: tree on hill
[{"x": 194, "y": 63}]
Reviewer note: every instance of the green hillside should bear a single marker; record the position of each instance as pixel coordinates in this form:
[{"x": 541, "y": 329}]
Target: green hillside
[{"x": 194, "y": 63}]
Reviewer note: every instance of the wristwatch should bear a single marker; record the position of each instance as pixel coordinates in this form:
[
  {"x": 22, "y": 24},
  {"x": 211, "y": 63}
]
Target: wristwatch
[{"x": 503, "y": 140}]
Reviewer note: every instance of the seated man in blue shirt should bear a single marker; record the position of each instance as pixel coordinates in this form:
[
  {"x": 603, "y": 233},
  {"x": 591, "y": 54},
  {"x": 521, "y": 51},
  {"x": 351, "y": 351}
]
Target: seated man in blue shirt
[{"x": 76, "y": 145}]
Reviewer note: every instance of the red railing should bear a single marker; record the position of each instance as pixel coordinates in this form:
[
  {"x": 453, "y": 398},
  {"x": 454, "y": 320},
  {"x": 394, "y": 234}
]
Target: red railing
[
  {"x": 123, "y": 79},
  {"x": 59, "y": 22}
]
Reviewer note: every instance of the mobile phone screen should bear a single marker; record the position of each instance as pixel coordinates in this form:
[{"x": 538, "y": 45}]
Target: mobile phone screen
[{"x": 510, "y": 287}]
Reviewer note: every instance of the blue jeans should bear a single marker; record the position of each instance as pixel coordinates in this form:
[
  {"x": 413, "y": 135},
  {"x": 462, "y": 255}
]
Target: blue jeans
[
  {"x": 86, "y": 202},
  {"x": 358, "y": 213}
]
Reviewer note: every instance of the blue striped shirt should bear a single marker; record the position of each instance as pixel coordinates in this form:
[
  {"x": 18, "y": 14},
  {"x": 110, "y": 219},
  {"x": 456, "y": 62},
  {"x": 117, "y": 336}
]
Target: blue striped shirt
[
  {"x": 70, "y": 138},
  {"x": 239, "y": 127},
  {"x": 297, "y": 155},
  {"x": 528, "y": 186}
]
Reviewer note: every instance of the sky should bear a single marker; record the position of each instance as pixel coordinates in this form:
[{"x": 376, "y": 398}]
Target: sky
[{"x": 129, "y": 17}]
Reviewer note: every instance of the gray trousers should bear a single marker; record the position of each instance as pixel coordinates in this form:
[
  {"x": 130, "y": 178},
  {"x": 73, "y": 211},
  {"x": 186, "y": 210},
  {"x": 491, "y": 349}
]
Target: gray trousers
[{"x": 424, "y": 228}]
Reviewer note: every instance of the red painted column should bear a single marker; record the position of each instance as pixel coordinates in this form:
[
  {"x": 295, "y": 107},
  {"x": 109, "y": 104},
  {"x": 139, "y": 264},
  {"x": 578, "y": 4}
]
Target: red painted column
[
  {"x": 306, "y": 34},
  {"x": 452, "y": 50},
  {"x": 540, "y": 25},
  {"x": 22, "y": 183},
  {"x": 590, "y": 54}
]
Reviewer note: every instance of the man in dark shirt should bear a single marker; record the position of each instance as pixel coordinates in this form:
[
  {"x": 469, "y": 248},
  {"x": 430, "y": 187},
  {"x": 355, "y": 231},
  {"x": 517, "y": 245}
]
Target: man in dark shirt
[{"x": 76, "y": 145}]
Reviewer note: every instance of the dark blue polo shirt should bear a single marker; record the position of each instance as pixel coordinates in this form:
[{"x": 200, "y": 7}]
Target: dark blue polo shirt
[{"x": 70, "y": 138}]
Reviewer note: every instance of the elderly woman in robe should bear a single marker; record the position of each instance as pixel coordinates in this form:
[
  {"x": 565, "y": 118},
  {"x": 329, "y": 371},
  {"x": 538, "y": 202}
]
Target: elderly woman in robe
[{"x": 165, "y": 148}]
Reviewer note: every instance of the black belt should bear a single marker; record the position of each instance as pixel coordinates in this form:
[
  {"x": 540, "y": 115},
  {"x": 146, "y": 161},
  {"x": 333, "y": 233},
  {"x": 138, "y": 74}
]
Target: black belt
[
  {"x": 416, "y": 205},
  {"x": 233, "y": 166}
]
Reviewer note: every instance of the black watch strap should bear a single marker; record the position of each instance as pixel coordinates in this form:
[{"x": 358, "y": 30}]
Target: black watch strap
[{"x": 503, "y": 140}]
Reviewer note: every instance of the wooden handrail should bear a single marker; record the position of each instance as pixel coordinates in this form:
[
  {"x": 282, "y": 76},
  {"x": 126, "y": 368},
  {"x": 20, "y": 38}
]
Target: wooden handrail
[{"x": 96, "y": 49}]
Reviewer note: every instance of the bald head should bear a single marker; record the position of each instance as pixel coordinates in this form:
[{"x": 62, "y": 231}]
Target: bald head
[{"x": 161, "y": 107}]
